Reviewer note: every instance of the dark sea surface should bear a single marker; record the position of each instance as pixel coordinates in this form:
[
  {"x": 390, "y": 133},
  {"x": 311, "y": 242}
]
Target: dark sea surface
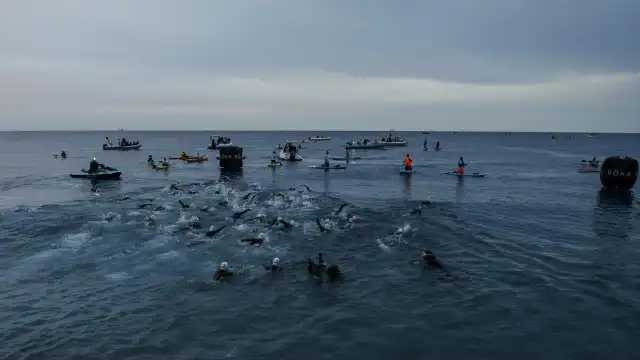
[{"x": 538, "y": 263}]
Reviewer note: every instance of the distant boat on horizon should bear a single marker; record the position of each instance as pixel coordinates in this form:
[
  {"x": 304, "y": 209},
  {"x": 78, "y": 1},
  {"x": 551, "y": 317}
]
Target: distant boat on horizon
[{"x": 591, "y": 135}]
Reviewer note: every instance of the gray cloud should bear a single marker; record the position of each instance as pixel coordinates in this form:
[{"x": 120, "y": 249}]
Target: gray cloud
[{"x": 124, "y": 57}]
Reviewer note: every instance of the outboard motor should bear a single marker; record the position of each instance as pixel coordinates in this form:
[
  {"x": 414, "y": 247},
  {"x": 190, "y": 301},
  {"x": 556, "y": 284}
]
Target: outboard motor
[{"x": 619, "y": 172}]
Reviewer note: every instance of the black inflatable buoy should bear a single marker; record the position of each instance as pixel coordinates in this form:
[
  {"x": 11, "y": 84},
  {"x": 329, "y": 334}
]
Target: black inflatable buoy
[
  {"x": 231, "y": 157},
  {"x": 619, "y": 172}
]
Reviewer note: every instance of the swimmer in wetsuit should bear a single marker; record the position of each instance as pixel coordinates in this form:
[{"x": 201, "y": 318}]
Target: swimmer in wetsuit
[
  {"x": 223, "y": 272},
  {"x": 275, "y": 265},
  {"x": 429, "y": 259}
]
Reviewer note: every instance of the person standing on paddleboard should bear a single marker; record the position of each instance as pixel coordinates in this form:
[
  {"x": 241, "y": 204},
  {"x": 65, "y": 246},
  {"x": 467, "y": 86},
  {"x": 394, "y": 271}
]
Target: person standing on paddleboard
[
  {"x": 461, "y": 165},
  {"x": 408, "y": 162},
  {"x": 326, "y": 159}
]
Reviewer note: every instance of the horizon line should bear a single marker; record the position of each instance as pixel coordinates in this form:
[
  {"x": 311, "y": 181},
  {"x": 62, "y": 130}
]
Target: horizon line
[{"x": 318, "y": 130}]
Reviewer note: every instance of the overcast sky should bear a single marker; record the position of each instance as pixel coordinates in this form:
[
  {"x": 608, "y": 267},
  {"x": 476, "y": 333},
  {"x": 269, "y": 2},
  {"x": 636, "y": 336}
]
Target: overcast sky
[{"x": 514, "y": 65}]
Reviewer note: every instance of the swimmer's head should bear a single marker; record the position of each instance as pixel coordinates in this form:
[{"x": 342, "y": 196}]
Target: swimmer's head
[
  {"x": 275, "y": 261},
  {"x": 224, "y": 265},
  {"x": 94, "y": 159},
  {"x": 427, "y": 254}
]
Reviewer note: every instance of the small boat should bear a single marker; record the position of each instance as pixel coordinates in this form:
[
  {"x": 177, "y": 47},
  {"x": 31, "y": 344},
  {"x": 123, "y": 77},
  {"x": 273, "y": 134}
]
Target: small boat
[
  {"x": 319, "y": 138},
  {"x": 393, "y": 140},
  {"x": 297, "y": 144},
  {"x": 360, "y": 145},
  {"x": 591, "y": 135},
  {"x": 121, "y": 148},
  {"x": 289, "y": 156},
  {"x": 160, "y": 167},
  {"x": 218, "y": 142},
  {"x": 395, "y": 143},
  {"x": 102, "y": 175}
]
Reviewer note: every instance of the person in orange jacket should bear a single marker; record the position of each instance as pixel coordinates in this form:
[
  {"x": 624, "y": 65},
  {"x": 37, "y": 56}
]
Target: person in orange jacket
[{"x": 408, "y": 162}]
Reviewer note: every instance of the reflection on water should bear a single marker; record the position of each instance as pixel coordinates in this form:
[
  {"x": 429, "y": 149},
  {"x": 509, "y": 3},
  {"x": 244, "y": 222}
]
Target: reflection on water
[
  {"x": 460, "y": 189},
  {"x": 326, "y": 182},
  {"x": 407, "y": 187},
  {"x": 612, "y": 214}
]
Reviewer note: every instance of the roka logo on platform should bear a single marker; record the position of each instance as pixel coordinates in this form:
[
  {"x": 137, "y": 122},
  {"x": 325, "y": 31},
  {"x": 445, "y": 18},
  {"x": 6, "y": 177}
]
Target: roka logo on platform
[{"x": 620, "y": 173}]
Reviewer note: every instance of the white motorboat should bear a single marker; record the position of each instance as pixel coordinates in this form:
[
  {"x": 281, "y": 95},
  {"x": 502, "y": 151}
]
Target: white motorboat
[
  {"x": 218, "y": 142},
  {"x": 319, "y": 138},
  {"x": 289, "y": 156}
]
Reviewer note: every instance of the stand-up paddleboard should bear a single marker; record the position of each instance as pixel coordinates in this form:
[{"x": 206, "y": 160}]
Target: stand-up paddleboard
[
  {"x": 452, "y": 173},
  {"x": 403, "y": 171},
  {"x": 334, "y": 167},
  {"x": 437, "y": 148},
  {"x": 274, "y": 165}
]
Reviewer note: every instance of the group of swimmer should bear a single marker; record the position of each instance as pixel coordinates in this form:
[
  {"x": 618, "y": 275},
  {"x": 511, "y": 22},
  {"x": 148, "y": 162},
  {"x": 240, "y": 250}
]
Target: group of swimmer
[
  {"x": 320, "y": 268},
  {"x": 317, "y": 269}
]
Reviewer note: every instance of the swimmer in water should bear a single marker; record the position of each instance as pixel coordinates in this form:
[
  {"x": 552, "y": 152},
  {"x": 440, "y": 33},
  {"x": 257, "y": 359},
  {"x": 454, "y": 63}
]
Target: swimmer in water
[
  {"x": 212, "y": 232},
  {"x": 316, "y": 268},
  {"x": 322, "y": 228},
  {"x": 257, "y": 241},
  {"x": 418, "y": 211},
  {"x": 237, "y": 215},
  {"x": 223, "y": 272},
  {"x": 274, "y": 266},
  {"x": 429, "y": 259}
]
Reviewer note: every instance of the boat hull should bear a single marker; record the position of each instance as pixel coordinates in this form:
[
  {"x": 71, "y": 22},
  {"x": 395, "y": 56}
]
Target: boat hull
[{"x": 121, "y": 148}]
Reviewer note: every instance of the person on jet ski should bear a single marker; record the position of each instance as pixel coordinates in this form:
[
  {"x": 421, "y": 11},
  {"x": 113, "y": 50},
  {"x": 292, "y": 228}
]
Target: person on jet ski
[
  {"x": 63, "y": 154},
  {"x": 594, "y": 163},
  {"x": 94, "y": 166},
  {"x": 326, "y": 160},
  {"x": 150, "y": 160},
  {"x": 163, "y": 162}
]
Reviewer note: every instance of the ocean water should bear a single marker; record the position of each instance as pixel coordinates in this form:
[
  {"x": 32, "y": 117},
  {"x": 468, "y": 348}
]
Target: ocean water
[{"x": 538, "y": 262}]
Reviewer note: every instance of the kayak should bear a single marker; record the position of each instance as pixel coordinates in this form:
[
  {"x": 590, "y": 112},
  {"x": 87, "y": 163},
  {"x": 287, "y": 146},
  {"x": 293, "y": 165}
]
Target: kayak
[
  {"x": 404, "y": 171},
  {"x": 121, "y": 148},
  {"x": 334, "y": 167},
  {"x": 478, "y": 175},
  {"x": 104, "y": 175}
]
